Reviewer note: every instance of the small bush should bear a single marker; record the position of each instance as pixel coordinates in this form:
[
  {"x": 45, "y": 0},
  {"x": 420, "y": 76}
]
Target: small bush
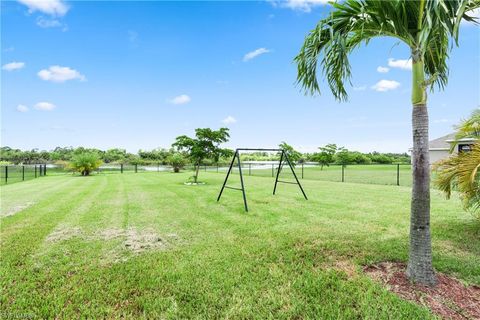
[
  {"x": 85, "y": 163},
  {"x": 177, "y": 161}
]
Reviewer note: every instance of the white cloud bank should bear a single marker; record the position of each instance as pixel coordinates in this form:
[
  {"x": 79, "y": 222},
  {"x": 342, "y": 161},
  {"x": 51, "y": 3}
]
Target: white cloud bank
[
  {"x": 229, "y": 120},
  {"x": 22, "y": 108},
  {"x": 299, "y": 5},
  {"x": 60, "y": 74},
  {"x": 386, "y": 85},
  {"x": 13, "y": 66},
  {"x": 382, "y": 69},
  {"x": 51, "y": 7},
  {"x": 255, "y": 53},
  {"x": 181, "y": 99},
  {"x": 45, "y": 106},
  {"x": 401, "y": 64}
]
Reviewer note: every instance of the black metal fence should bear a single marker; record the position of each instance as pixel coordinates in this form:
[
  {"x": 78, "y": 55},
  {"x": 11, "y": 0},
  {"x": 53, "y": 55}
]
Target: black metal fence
[
  {"x": 383, "y": 174},
  {"x": 16, "y": 173}
]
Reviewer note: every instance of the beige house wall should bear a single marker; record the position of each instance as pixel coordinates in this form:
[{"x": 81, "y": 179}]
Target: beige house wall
[{"x": 436, "y": 155}]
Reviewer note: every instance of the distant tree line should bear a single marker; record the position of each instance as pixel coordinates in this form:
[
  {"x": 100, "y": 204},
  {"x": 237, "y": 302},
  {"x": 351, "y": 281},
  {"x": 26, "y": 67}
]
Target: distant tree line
[
  {"x": 331, "y": 154},
  {"x": 66, "y": 154},
  {"x": 327, "y": 155}
]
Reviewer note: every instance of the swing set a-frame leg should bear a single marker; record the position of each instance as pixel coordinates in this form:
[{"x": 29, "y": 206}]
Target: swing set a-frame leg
[
  {"x": 235, "y": 156},
  {"x": 278, "y": 173},
  {"x": 228, "y": 174},
  {"x": 295, "y": 175}
]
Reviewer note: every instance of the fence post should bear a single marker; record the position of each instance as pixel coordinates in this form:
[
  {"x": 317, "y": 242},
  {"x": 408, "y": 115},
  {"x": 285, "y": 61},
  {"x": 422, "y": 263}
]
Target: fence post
[
  {"x": 398, "y": 174},
  {"x": 121, "y": 167},
  {"x": 302, "y": 170},
  {"x": 136, "y": 168},
  {"x": 6, "y": 174},
  {"x": 343, "y": 173},
  {"x": 45, "y": 169},
  {"x": 35, "y": 171},
  {"x": 23, "y": 172},
  {"x": 249, "y": 169}
]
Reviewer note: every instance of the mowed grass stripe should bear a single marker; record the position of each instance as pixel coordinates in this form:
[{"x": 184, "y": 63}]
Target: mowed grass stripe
[
  {"x": 107, "y": 207},
  {"x": 28, "y": 193},
  {"x": 42, "y": 218}
]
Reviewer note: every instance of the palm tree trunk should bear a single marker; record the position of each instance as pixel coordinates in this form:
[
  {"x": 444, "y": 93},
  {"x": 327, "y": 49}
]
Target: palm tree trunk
[{"x": 420, "y": 267}]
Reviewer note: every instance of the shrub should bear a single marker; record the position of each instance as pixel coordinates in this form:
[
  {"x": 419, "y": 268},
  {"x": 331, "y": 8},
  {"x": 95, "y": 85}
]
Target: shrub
[
  {"x": 177, "y": 161},
  {"x": 85, "y": 163}
]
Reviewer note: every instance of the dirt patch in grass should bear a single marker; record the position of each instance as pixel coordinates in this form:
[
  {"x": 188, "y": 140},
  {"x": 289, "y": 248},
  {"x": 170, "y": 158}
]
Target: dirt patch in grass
[
  {"x": 449, "y": 299},
  {"x": 346, "y": 266},
  {"x": 62, "y": 234},
  {"x": 16, "y": 209},
  {"x": 134, "y": 240}
]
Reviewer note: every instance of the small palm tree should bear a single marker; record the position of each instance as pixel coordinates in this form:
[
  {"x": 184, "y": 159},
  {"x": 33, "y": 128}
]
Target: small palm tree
[
  {"x": 469, "y": 128},
  {"x": 427, "y": 27},
  {"x": 461, "y": 171},
  {"x": 85, "y": 163}
]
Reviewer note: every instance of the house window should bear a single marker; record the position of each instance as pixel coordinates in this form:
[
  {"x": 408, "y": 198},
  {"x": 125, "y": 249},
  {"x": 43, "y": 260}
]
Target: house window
[{"x": 464, "y": 148}]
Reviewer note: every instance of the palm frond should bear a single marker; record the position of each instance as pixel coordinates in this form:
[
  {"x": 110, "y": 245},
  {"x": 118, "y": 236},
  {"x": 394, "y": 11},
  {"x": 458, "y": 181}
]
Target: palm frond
[{"x": 461, "y": 172}]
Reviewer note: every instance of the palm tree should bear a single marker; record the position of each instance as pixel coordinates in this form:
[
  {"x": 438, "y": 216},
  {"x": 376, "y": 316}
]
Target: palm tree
[{"x": 427, "y": 27}]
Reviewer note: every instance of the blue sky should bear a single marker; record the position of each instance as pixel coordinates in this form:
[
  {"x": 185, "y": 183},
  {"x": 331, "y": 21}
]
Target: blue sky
[{"x": 135, "y": 75}]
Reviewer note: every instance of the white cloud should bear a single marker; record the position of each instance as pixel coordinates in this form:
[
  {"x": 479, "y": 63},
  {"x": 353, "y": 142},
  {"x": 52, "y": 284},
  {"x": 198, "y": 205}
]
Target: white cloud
[
  {"x": 60, "y": 74},
  {"x": 45, "y": 106},
  {"x": 229, "y": 120},
  {"x": 386, "y": 85},
  {"x": 402, "y": 64},
  {"x": 50, "y": 23},
  {"x": 13, "y": 66},
  {"x": 51, "y": 7},
  {"x": 9, "y": 49},
  {"x": 383, "y": 69},
  {"x": 22, "y": 108},
  {"x": 360, "y": 88},
  {"x": 255, "y": 53},
  {"x": 300, "y": 5},
  {"x": 181, "y": 99}
]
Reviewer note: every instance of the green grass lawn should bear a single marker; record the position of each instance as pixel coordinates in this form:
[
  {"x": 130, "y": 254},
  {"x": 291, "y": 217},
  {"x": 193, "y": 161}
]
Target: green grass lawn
[{"x": 145, "y": 245}]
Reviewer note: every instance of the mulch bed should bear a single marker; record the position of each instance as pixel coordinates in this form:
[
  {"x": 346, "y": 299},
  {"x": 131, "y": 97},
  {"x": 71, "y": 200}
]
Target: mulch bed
[{"x": 450, "y": 299}]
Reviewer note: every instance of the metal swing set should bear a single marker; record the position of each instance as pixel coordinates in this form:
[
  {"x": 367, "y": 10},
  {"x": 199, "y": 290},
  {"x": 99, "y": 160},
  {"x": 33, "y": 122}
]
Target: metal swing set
[{"x": 283, "y": 158}]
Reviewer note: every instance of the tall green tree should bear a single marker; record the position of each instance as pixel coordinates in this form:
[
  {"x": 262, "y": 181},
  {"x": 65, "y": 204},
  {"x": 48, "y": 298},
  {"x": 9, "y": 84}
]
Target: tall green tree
[
  {"x": 326, "y": 155},
  {"x": 205, "y": 145},
  {"x": 427, "y": 28},
  {"x": 292, "y": 154}
]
